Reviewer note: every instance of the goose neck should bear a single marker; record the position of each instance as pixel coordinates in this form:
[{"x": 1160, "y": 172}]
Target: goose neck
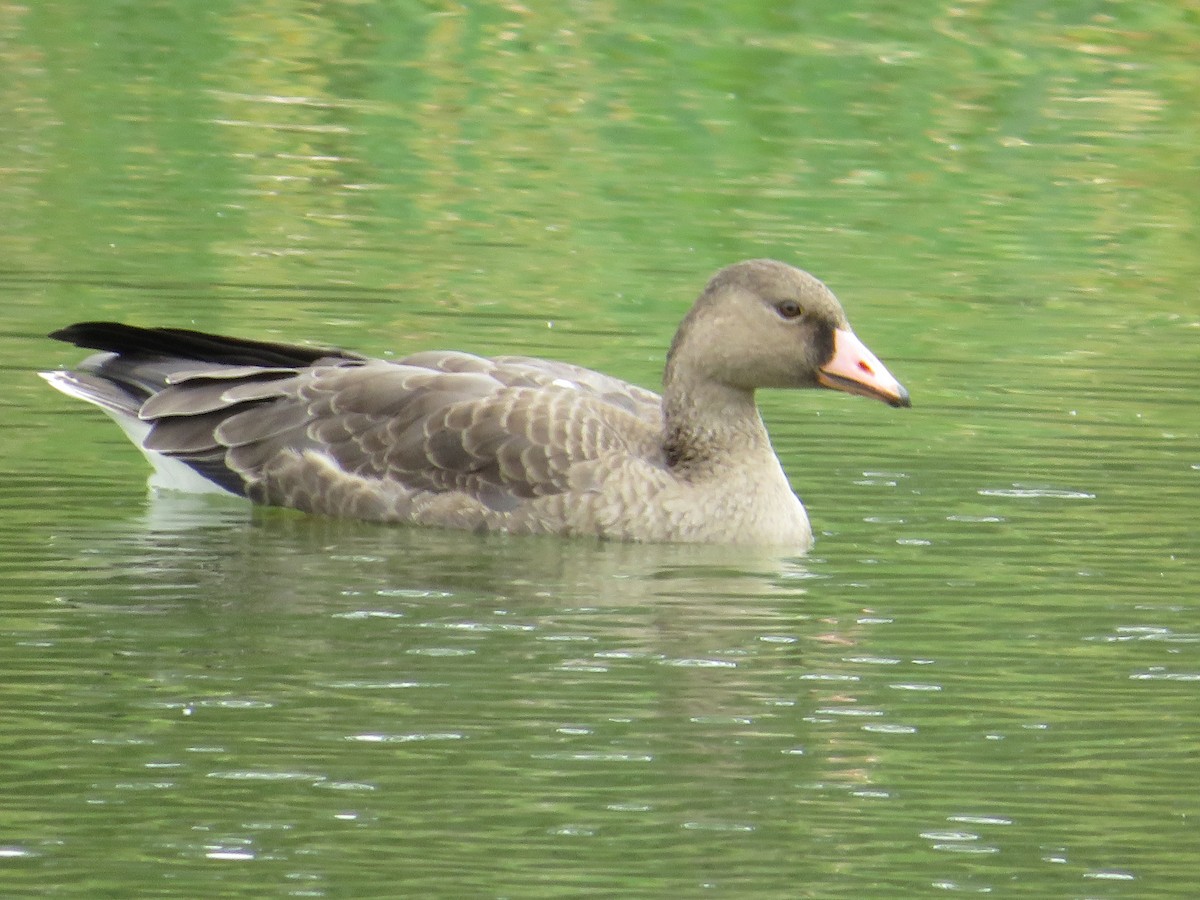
[{"x": 710, "y": 426}]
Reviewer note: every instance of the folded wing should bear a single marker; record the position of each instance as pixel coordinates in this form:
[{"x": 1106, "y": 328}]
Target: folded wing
[{"x": 303, "y": 426}]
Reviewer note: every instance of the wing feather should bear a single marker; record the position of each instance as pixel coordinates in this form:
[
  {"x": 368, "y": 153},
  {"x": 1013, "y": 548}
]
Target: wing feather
[
  {"x": 498, "y": 432},
  {"x": 476, "y": 431}
]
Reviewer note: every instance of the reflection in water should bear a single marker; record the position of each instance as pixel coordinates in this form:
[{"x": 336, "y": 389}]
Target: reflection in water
[
  {"x": 726, "y": 639},
  {"x": 194, "y": 532}
]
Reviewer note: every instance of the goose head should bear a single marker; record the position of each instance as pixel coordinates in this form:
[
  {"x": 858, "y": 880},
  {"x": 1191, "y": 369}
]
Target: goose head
[{"x": 764, "y": 324}]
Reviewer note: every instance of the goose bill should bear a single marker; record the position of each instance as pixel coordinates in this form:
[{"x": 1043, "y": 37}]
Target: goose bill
[{"x": 856, "y": 370}]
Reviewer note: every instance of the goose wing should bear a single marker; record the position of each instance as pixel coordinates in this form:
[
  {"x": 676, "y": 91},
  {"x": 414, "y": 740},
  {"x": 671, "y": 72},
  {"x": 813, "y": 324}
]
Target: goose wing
[{"x": 497, "y": 430}]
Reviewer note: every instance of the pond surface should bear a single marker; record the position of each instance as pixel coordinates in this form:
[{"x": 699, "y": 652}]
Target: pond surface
[{"x": 985, "y": 677}]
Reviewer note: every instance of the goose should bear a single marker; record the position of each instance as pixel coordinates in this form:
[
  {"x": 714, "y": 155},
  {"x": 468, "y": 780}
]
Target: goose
[{"x": 504, "y": 444}]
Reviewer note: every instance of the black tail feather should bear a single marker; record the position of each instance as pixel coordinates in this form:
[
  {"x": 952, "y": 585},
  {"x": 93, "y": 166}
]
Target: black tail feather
[{"x": 182, "y": 343}]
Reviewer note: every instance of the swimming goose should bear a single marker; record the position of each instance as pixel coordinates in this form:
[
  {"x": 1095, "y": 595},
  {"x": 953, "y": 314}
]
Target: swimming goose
[{"x": 511, "y": 444}]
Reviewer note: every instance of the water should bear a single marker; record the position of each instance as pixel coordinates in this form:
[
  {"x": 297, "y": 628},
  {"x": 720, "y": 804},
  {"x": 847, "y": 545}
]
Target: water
[{"x": 982, "y": 680}]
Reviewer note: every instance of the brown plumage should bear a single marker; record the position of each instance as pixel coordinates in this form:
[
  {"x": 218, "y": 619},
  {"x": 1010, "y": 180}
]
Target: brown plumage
[{"x": 504, "y": 444}]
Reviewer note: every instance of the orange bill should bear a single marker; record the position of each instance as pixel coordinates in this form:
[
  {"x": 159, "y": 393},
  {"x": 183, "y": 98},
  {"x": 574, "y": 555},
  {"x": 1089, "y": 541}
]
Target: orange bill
[{"x": 855, "y": 369}]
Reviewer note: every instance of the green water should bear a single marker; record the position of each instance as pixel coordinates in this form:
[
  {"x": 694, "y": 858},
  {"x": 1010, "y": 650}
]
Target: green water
[{"x": 985, "y": 677}]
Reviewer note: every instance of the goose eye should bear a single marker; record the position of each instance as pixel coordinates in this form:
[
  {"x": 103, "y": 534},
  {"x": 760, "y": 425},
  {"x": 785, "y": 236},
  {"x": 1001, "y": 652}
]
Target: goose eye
[{"x": 789, "y": 309}]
